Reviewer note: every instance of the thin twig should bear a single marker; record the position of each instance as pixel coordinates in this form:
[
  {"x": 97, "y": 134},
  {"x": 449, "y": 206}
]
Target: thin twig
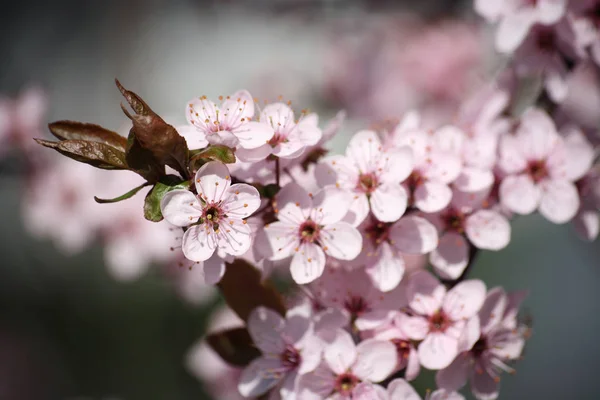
[{"x": 277, "y": 171}]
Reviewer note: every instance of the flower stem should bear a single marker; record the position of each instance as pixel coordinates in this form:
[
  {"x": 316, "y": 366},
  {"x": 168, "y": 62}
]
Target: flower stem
[{"x": 277, "y": 171}]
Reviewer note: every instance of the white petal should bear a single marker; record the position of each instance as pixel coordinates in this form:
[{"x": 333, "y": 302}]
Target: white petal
[
  {"x": 341, "y": 354},
  {"x": 399, "y": 389},
  {"x": 474, "y": 179},
  {"x": 414, "y": 235},
  {"x": 488, "y": 229},
  {"x": 330, "y": 205},
  {"x": 519, "y": 194},
  {"x": 364, "y": 148},
  {"x": 341, "y": 241},
  {"x": 386, "y": 273},
  {"x": 213, "y": 181},
  {"x": 512, "y": 31},
  {"x": 241, "y": 200},
  {"x": 375, "y": 361},
  {"x": 234, "y": 236},
  {"x": 388, "y": 202},
  {"x": 256, "y": 379},
  {"x": 279, "y": 240},
  {"x": 198, "y": 244},
  {"x": 465, "y": 299},
  {"x": 560, "y": 201},
  {"x": 432, "y": 196},
  {"x": 587, "y": 224},
  {"x": 437, "y": 351},
  {"x": 293, "y": 204},
  {"x": 451, "y": 256},
  {"x": 254, "y": 134},
  {"x": 425, "y": 293},
  {"x": 265, "y": 326},
  {"x": 308, "y": 263},
  {"x": 180, "y": 207}
]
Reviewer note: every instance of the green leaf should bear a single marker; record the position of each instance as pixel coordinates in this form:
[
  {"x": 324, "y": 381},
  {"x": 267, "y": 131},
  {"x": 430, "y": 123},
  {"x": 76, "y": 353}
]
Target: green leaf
[
  {"x": 269, "y": 191},
  {"x": 73, "y": 130},
  {"x": 243, "y": 290},
  {"x": 125, "y": 196},
  {"x": 99, "y": 155},
  {"x": 153, "y": 134},
  {"x": 163, "y": 186},
  {"x": 217, "y": 152},
  {"x": 235, "y": 346}
]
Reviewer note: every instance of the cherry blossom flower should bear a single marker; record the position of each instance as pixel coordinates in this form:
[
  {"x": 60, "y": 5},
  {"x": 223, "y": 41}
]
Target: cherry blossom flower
[
  {"x": 22, "y": 119},
  {"x": 345, "y": 365},
  {"x": 215, "y": 216},
  {"x": 309, "y": 227},
  {"x": 289, "y": 349},
  {"x": 385, "y": 246},
  {"x": 288, "y": 137},
  {"x": 351, "y": 292},
  {"x": 584, "y": 14},
  {"x": 434, "y": 169},
  {"x": 230, "y": 123},
  {"x": 408, "y": 358},
  {"x": 516, "y": 17},
  {"x": 399, "y": 389},
  {"x": 541, "y": 168},
  {"x": 372, "y": 175},
  {"x": 587, "y": 219},
  {"x": 441, "y": 317},
  {"x": 494, "y": 342},
  {"x": 465, "y": 223}
]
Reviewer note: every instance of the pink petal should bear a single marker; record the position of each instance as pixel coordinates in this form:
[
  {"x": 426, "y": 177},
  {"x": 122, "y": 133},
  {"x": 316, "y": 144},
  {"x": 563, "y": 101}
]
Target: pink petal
[
  {"x": 473, "y": 179},
  {"x": 213, "y": 269},
  {"x": 358, "y": 211},
  {"x": 388, "y": 202},
  {"x": 334, "y": 125},
  {"x": 364, "y": 149},
  {"x": 369, "y": 391},
  {"x": 375, "y": 361},
  {"x": 225, "y": 138},
  {"x": 455, "y": 376},
  {"x": 253, "y": 155},
  {"x": 265, "y": 326},
  {"x": 425, "y": 293},
  {"x": 387, "y": 271},
  {"x": 519, "y": 194},
  {"x": 198, "y": 111},
  {"x": 341, "y": 354},
  {"x": 330, "y": 205},
  {"x": 470, "y": 334},
  {"x": 337, "y": 169},
  {"x": 308, "y": 132},
  {"x": 256, "y": 379},
  {"x": 414, "y": 235},
  {"x": 442, "y": 394},
  {"x": 487, "y": 229},
  {"x": 277, "y": 115},
  {"x": 550, "y": 11},
  {"x": 490, "y": 10},
  {"x": 465, "y": 299},
  {"x": 180, "y": 207},
  {"x": 537, "y": 134},
  {"x": 398, "y": 165},
  {"x": 194, "y": 138},
  {"x": 297, "y": 329},
  {"x": 560, "y": 201},
  {"x": 413, "y": 367},
  {"x": 316, "y": 385},
  {"x": 241, "y": 201},
  {"x": 341, "y": 241},
  {"x": 442, "y": 166},
  {"x": 197, "y": 244},
  {"x": 432, "y": 196},
  {"x": 399, "y": 389},
  {"x": 293, "y": 204},
  {"x": 308, "y": 263},
  {"x": 492, "y": 311},
  {"x": 237, "y": 106},
  {"x": 450, "y": 139},
  {"x": 512, "y": 159},
  {"x": 253, "y": 135},
  {"x": 451, "y": 256},
  {"x": 556, "y": 86},
  {"x": 279, "y": 240},
  {"x": 512, "y": 308},
  {"x": 373, "y": 319},
  {"x": 415, "y": 327},
  {"x": 213, "y": 181},
  {"x": 312, "y": 351},
  {"x": 512, "y": 31},
  {"x": 234, "y": 236},
  {"x": 587, "y": 224},
  {"x": 437, "y": 351},
  {"x": 484, "y": 386},
  {"x": 577, "y": 159}
]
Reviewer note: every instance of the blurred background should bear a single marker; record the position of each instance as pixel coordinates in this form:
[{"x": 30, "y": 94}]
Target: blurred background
[{"x": 93, "y": 304}]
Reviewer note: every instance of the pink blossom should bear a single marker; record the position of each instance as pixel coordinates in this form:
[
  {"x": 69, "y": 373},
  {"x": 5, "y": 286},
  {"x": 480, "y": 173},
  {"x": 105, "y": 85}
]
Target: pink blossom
[
  {"x": 516, "y": 17},
  {"x": 385, "y": 246},
  {"x": 215, "y": 216},
  {"x": 587, "y": 219},
  {"x": 435, "y": 168},
  {"x": 308, "y": 228},
  {"x": 22, "y": 119},
  {"x": 351, "y": 291},
  {"x": 288, "y": 137},
  {"x": 399, "y": 389},
  {"x": 345, "y": 365},
  {"x": 494, "y": 341},
  {"x": 289, "y": 349},
  {"x": 230, "y": 123},
  {"x": 541, "y": 168},
  {"x": 465, "y": 223},
  {"x": 408, "y": 357},
  {"x": 372, "y": 175},
  {"x": 440, "y": 318}
]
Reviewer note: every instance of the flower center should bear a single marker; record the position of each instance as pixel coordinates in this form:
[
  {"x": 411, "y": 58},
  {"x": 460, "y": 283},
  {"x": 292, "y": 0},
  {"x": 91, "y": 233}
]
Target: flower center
[
  {"x": 454, "y": 220},
  {"x": 277, "y": 139},
  {"x": 479, "y": 347},
  {"x": 414, "y": 180},
  {"x": 367, "y": 183},
  {"x": 402, "y": 348},
  {"x": 378, "y": 233},
  {"x": 345, "y": 383},
  {"x": 537, "y": 170},
  {"x": 356, "y": 305},
  {"x": 545, "y": 39},
  {"x": 211, "y": 215},
  {"x": 290, "y": 358},
  {"x": 309, "y": 231},
  {"x": 439, "y": 322}
]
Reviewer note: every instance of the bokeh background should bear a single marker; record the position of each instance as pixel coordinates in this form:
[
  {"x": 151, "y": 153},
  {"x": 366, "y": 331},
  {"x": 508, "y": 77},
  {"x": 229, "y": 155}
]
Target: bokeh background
[{"x": 83, "y": 318}]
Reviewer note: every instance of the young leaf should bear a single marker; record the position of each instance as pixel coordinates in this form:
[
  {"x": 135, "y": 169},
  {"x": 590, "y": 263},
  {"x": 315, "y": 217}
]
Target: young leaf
[
  {"x": 217, "y": 152},
  {"x": 154, "y": 134},
  {"x": 73, "y": 130},
  {"x": 99, "y": 155},
  {"x": 235, "y": 346},
  {"x": 152, "y": 203},
  {"x": 142, "y": 161},
  {"x": 125, "y": 196},
  {"x": 244, "y": 290}
]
